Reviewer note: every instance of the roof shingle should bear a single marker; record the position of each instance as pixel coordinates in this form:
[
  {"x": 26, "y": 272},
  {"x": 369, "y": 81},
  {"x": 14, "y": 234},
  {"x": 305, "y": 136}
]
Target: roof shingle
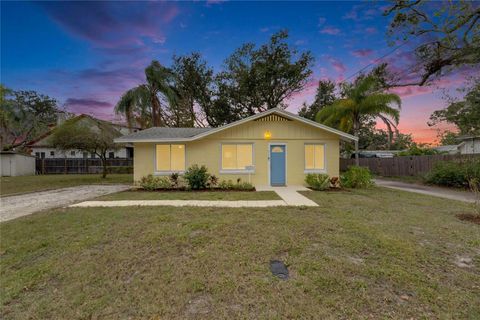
[{"x": 163, "y": 133}]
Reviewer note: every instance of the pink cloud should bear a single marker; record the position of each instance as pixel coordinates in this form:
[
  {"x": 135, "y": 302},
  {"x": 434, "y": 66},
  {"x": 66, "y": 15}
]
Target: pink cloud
[
  {"x": 361, "y": 52},
  {"x": 371, "y": 30},
  {"x": 351, "y": 15},
  {"x": 411, "y": 91},
  {"x": 213, "y": 2},
  {"x": 108, "y": 25},
  {"x": 338, "y": 65},
  {"x": 330, "y": 30}
]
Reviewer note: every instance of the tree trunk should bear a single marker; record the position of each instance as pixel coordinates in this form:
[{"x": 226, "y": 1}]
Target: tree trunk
[
  {"x": 356, "y": 127},
  {"x": 104, "y": 165},
  {"x": 155, "y": 111}
]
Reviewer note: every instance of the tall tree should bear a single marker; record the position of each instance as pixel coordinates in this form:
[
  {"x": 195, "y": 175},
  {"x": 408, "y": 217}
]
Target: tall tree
[
  {"x": 148, "y": 98},
  {"x": 97, "y": 139},
  {"x": 447, "y": 137},
  {"x": 463, "y": 113},
  {"x": 371, "y": 138},
  {"x": 325, "y": 96},
  {"x": 193, "y": 85},
  {"x": 256, "y": 80},
  {"x": 23, "y": 116},
  {"x": 448, "y": 34},
  {"x": 362, "y": 101}
]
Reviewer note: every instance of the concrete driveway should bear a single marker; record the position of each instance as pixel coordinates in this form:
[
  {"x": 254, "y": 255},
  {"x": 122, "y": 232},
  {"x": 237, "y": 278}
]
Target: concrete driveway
[
  {"x": 12, "y": 207},
  {"x": 447, "y": 193}
]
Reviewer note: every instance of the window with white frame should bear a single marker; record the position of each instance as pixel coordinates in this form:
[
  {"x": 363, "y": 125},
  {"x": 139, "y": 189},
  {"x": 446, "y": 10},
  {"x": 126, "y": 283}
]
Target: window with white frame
[
  {"x": 237, "y": 157},
  {"x": 314, "y": 157},
  {"x": 170, "y": 157}
]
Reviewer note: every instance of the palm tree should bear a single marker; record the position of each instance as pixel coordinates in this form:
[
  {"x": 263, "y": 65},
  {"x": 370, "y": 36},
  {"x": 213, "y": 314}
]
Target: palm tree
[
  {"x": 143, "y": 102},
  {"x": 361, "y": 100}
]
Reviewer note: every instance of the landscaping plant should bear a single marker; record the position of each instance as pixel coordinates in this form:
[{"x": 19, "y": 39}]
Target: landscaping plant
[
  {"x": 151, "y": 183},
  {"x": 197, "y": 177},
  {"x": 229, "y": 185},
  {"x": 454, "y": 173},
  {"x": 335, "y": 183},
  {"x": 175, "y": 179},
  {"x": 474, "y": 185},
  {"x": 212, "y": 181},
  {"x": 318, "y": 181},
  {"x": 357, "y": 177}
]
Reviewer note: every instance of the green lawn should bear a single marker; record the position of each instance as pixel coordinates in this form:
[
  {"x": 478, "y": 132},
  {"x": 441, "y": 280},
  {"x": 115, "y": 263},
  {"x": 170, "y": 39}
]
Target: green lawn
[
  {"x": 24, "y": 184},
  {"x": 189, "y": 195},
  {"x": 369, "y": 254},
  {"x": 406, "y": 179}
]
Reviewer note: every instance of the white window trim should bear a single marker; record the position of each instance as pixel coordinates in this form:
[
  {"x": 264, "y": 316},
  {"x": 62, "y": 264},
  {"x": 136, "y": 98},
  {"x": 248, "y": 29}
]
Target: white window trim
[
  {"x": 324, "y": 170},
  {"x": 236, "y": 171},
  {"x": 167, "y": 172}
]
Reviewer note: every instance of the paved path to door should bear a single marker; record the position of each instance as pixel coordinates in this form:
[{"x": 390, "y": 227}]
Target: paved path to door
[
  {"x": 289, "y": 195},
  {"x": 12, "y": 207},
  {"x": 429, "y": 190}
]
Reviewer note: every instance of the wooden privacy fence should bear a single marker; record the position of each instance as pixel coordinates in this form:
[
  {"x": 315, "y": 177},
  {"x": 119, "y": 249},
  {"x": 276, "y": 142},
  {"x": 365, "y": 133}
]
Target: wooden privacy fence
[
  {"x": 404, "y": 166},
  {"x": 82, "y": 165}
]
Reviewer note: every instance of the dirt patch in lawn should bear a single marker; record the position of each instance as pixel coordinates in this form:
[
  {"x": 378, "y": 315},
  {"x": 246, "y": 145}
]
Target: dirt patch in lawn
[{"x": 474, "y": 218}]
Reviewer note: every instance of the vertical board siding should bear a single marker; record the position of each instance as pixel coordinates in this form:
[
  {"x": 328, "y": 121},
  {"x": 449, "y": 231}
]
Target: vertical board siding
[{"x": 404, "y": 166}]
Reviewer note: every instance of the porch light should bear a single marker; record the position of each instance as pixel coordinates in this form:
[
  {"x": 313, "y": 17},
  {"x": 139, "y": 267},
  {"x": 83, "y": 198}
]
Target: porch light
[{"x": 267, "y": 135}]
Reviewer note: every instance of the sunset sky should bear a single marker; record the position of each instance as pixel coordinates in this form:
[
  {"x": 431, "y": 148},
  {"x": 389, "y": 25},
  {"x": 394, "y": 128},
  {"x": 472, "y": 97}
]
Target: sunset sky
[{"x": 87, "y": 54}]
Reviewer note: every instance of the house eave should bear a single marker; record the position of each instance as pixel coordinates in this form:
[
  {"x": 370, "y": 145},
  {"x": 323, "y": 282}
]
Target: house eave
[{"x": 343, "y": 135}]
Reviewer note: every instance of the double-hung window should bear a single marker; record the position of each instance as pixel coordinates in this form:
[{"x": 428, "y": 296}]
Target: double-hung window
[
  {"x": 314, "y": 157},
  {"x": 169, "y": 158},
  {"x": 237, "y": 157}
]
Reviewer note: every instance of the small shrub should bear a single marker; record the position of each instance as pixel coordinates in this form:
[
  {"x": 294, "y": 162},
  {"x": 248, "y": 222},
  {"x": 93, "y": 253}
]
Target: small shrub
[
  {"x": 226, "y": 185},
  {"x": 244, "y": 186},
  {"x": 318, "y": 181},
  {"x": 357, "y": 177},
  {"x": 212, "y": 181},
  {"x": 229, "y": 185},
  {"x": 335, "y": 183},
  {"x": 175, "y": 179},
  {"x": 474, "y": 184},
  {"x": 197, "y": 177},
  {"x": 151, "y": 183},
  {"x": 454, "y": 173}
]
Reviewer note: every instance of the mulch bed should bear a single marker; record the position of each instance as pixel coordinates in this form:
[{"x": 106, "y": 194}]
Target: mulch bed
[{"x": 475, "y": 218}]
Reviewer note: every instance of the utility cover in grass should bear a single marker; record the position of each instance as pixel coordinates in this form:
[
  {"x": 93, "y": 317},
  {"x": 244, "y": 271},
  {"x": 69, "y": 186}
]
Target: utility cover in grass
[{"x": 279, "y": 269}]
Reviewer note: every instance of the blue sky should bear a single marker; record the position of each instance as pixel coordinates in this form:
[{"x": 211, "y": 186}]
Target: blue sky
[{"x": 86, "y": 54}]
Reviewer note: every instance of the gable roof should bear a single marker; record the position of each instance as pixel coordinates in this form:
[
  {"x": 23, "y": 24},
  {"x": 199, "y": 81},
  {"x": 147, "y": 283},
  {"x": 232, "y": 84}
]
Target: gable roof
[
  {"x": 44, "y": 139},
  {"x": 163, "y": 134}
]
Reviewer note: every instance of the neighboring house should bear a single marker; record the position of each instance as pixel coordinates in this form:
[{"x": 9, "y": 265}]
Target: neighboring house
[
  {"x": 274, "y": 147},
  {"x": 469, "y": 145},
  {"x": 448, "y": 149},
  {"x": 42, "y": 147},
  {"x": 376, "y": 154}
]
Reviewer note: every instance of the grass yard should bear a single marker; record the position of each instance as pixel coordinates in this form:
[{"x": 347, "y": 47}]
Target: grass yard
[
  {"x": 376, "y": 254},
  {"x": 24, "y": 184},
  {"x": 191, "y": 195},
  {"x": 406, "y": 179}
]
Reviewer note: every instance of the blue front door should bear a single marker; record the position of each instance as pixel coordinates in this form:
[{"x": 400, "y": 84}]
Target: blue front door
[{"x": 277, "y": 165}]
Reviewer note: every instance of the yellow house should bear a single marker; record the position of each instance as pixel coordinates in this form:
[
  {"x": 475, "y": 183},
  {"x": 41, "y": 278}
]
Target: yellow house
[{"x": 274, "y": 148}]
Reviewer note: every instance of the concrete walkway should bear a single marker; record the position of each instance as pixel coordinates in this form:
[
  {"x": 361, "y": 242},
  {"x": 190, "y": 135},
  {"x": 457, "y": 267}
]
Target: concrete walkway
[
  {"x": 428, "y": 190},
  {"x": 12, "y": 207},
  {"x": 289, "y": 195}
]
